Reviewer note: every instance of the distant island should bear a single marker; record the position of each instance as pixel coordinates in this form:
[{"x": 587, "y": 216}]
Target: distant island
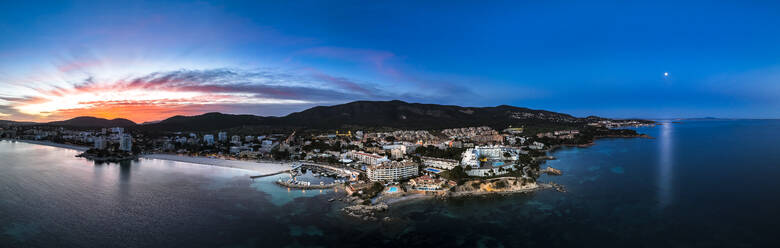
[{"x": 378, "y": 152}]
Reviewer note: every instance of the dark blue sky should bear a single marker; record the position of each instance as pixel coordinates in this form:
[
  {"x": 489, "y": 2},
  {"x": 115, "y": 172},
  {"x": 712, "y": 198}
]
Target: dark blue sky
[{"x": 606, "y": 58}]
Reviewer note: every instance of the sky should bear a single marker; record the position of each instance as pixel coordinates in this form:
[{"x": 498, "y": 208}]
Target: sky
[{"x": 147, "y": 61}]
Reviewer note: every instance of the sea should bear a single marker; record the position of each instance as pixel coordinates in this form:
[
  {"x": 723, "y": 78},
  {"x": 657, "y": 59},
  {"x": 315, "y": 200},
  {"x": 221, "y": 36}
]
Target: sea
[{"x": 695, "y": 183}]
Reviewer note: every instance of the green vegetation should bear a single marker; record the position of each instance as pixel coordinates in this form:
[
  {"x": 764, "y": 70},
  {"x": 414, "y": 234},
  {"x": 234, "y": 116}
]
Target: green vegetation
[
  {"x": 536, "y": 153},
  {"x": 435, "y": 152},
  {"x": 457, "y": 174},
  {"x": 370, "y": 192},
  {"x": 280, "y": 155},
  {"x": 524, "y": 159}
]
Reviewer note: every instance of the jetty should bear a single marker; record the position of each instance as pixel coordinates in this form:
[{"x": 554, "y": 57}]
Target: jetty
[
  {"x": 270, "y": 174},
  {"x": 306, "y": 185},
  {"x": 293, "y": 167}
]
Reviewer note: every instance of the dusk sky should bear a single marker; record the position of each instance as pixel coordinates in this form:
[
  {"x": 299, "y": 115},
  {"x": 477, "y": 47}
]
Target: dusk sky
[{"x": 149, "y": 61}]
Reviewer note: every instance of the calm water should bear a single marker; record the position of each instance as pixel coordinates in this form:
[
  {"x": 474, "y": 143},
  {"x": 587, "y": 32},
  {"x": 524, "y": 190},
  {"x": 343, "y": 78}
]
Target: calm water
[{"x": 698, "y": 184}]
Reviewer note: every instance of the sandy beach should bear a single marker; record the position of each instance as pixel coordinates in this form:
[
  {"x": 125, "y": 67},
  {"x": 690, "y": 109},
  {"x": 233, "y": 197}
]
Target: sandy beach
[{"x": 260, "y": 167}]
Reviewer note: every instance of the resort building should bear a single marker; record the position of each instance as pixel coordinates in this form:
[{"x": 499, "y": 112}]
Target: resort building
[
  {"x": 440, "y": 163},
  {"x": 392, "y": 171},
  {"x": 495, "y": 155},
  {"x": 222, "y": 136},
  {"x": 367, "y": 158},
  {"x": 426, "y": 183},
  {"x": 536, "y": 145},
  {"x": 488, "y": 171}
]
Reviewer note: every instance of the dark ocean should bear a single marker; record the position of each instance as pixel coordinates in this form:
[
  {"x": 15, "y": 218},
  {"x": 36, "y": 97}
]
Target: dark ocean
[{"x": 704, "y": 183}]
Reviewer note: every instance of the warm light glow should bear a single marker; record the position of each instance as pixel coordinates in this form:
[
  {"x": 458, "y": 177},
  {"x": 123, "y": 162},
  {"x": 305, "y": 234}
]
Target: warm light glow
[
  {"x": 138, "y": 105},
  {"x": 93, "y": 99}
]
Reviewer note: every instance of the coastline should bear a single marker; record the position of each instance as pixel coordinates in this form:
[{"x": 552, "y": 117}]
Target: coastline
[
  {"x": 52, "y": 144},
  {"x": 593, "y": 142},
  {"x": 261, "y": 167}
]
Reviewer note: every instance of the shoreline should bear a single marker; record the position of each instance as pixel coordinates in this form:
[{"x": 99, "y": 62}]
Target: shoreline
[
  {"x": 261, "y": 167},
  {"x": 52, "y": 144},
  {"x": 593, "y": 142}
]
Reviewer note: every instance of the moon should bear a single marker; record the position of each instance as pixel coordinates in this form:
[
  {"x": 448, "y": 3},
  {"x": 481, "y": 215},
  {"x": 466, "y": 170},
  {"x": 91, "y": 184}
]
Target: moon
[{"x": 666, "y": 74}]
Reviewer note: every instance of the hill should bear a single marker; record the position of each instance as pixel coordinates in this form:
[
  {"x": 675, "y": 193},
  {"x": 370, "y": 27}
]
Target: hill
[
  {"x": 357, "y": 115},
  {"x": 208, "y": 121},
  {"x": 399, "y": 114},
  {"x": 87, "y": 121}
]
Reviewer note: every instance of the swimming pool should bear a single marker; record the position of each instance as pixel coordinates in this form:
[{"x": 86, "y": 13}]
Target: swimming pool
[
  {"x": 393, "y": 189},
  {"x": 433, "y": 170},
  {"x": 496, "y": 164}
]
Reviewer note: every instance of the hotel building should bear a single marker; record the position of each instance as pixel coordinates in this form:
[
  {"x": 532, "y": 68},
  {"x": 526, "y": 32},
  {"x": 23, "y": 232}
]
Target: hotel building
[{"x": 392, "y": 171}]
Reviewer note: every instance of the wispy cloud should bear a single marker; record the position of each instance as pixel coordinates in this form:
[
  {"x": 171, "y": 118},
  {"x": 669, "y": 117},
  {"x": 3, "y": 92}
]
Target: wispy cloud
[
  {"x": 162, "y": 94},
  {"x": 181, "y": 92}
]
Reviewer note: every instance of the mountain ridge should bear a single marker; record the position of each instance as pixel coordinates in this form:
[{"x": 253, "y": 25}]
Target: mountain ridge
[
  {"x": 357, "y": 114},
  {"x": 89, "y": 121}
]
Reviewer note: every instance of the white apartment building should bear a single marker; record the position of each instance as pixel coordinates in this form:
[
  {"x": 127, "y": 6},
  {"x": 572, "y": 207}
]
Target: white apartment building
[
  {"x": 440, "y": 163},
  {"x": 392, "y": 171},
  {"x": 370, "y": 159},
  {"x": 494, "y": 153}
]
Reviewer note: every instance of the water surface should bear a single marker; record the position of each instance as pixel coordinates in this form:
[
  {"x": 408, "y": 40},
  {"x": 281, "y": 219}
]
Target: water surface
[{"x": 697, "y": 184}]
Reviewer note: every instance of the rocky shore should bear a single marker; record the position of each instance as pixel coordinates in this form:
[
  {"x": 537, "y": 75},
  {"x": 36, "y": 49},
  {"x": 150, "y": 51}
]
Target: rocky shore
[
  {"x": 502, "y": 185},
  {"x": 365, "y": 212},
  {"x": 552, "y": 171}
]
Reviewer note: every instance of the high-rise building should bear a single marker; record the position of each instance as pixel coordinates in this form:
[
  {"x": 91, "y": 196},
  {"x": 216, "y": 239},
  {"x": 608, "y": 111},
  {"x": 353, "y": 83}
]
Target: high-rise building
[
  {"x": 392, "y": 171},
  {"x": 208, "y": 139},
  {"x": 126, "y": 143},
  {"x": 397, "y": 153},
  {"x": 117, "y": 130},
  {"x": 222, "y": 136},
  {"x": 100, "y": 143}
]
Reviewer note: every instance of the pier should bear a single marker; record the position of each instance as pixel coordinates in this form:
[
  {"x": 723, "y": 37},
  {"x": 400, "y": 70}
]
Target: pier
[
  {"x": 271, "y": 174},
  {"x": 293, "y": 167},
  {"x": 299, "y": 185}
]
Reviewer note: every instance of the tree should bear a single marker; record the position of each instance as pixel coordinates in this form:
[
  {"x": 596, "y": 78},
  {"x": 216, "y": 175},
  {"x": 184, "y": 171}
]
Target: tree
[{"x": 457, "y": 174}]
